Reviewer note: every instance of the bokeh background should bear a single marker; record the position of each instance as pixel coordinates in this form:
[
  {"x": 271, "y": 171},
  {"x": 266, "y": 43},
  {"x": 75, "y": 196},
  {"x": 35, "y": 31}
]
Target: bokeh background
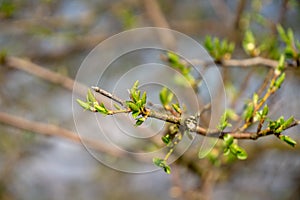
[{"x": 58, "y": 35}]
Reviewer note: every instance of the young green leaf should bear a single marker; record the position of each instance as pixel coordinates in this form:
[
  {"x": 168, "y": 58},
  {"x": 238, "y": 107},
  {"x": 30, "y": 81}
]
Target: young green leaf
[
  {"x": 288, "y": 140},
  {"x": 83, "y": 104},
  {"x": 133, "y": 107},
  {"x": 166, "y": 139},
  {"x": 167, "y": 169},
  {"x": 248, "y": 113},
  {"x": 90, "y": 97},
  {"x": 135, "y": 114},
  {"x": 282, "y": 34},
  {"x": 139, "y": 121},
  {"x": 176, "y": 107},
  {"x": 117, "y": 106},
  {"x": 279, "y": 81},
  {"x": 144, "y": 99},
  {"x": 165, "y": 96},
  {"x": 265, "y": 110},
  {"x": 223, "y": 122},
  {"x": 288, "y": 122},
  {"x": 280, "y": 66},
  {"x": 173, "y": 58},
  {"x": 158, "y": 161},
  {"x": 101, "y": 109},
  {"x": 228, "y": 140},
  {"x": 242, "y": 154}
]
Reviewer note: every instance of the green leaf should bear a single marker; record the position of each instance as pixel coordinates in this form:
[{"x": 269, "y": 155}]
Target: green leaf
[
  {"x": 101, "y": 108},
  {"x": 226, "y": 151},
  {"x": 280, "y": 66},
  {"x": 169, "y": 97},
  {"x": 255, "y": 98},
  {"x": 242, "y": 154},
  {"x": 228, "y": 140},
  {"x": 117, "y": 106},
  {"x": 288, "y": 140},
  {"x": 288, "y": 122},
  {"x": 265, "y": 110},
  {"x": 232, "y": 115},
  {"x": 176, "y": 107},
  {"x": 133, "y": 107},
  {"x": 135, "y": 114},
  {"x": 166, "y": 139},
  {"x": 279, "y": 81},
  {"x": 249, "y": 42},
  {"x": 139, "y": 121},
  {"x": 173, "y": 58},
  {"x": 144, "y": 99},
  {"x": 158, "y": 161},
  {"x": 208, "y": 43},
  {"x": 83, "y": 104},
  {"x": 165, "y": 96},
  {"x": 282, "y": 34},
  {"x": 223, "y": 122},
  {"x": 162, "y": 164},
  {"x": 167, "y": 169},
  {"x": 248, "y": 113},
  {"x": 290, "y": 36},
  {"x": 90, "y": 97}
]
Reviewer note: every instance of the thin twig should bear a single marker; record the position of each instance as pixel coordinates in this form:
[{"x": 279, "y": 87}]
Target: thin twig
[
  {"x": 250, "y": 62},
  {"x": 109, "y": 95}
]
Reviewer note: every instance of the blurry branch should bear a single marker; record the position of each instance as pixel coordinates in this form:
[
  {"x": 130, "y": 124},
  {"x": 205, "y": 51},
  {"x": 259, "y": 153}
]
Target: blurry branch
[
  {"x": 158, "y": 19},
  {"x": 239, "y": 12},
  {"x": 250, "y": 62},
  {"x": 41, "y": 72},
  {"x": 52, "y": 130},
  {"x": 283, "y": 11},
  {"x": 243, "y": 63}
]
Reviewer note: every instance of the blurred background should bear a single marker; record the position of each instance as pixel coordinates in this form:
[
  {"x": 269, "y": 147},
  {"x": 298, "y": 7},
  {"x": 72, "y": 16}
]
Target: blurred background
[{"x": 58, "y": 35}]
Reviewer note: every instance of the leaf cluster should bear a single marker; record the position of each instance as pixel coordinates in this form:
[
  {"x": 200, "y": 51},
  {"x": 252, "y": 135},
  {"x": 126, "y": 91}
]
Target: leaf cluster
[{"x": 219, "y": 49}]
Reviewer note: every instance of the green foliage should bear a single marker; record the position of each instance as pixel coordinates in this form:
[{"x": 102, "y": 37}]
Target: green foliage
[
  {"x": 231, "y": 147},
  {"x": 219, "y": 49},
  {"x": 93, "y": 105},
  {"x": 165, "y": 96},
  {"x": 7, "y": 8},
  {"x": 223, "y": 122},
  {"x": 249, "y": 44},
  {"x": 262, "y": 114},
  {"x": 101, "y": 109},
  {"x": 162, "y": 164},
  {"x": 280, "y": 67},
  {"x": 177, "y": 108},
  {"x": 250, "y": 107},
  {"x": 137, "y": 104},
  {"x": 279, "y": 125},
  {"x": 83, "y": 104},
  {"x": 182, "y": 67},
  {"x": 288, "y": 140},
  {"x": 166, "y": 139},
  {"x": 292, "y": 46}
]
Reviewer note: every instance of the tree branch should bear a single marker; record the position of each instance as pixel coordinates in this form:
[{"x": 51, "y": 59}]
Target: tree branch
[
  {"x": 52, "y": 130},
  {"x": 198, "y": 129}
]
